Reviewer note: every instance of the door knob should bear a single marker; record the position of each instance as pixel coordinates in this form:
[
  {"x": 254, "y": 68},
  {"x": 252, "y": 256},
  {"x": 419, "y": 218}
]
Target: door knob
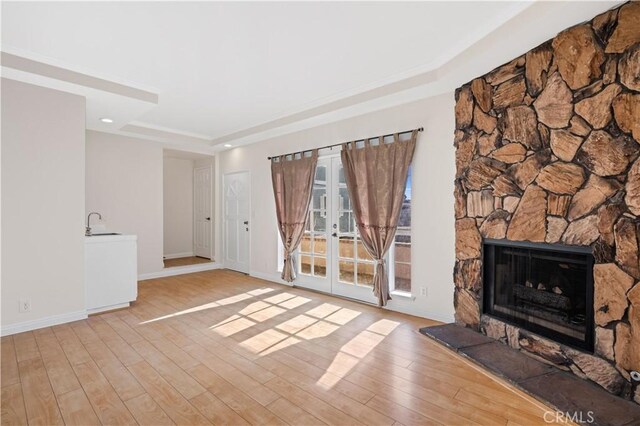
[
  {"x": 208, "y": 218},
  {"x": 334, "y": 234},
  {"x": 246, "y": 222}
]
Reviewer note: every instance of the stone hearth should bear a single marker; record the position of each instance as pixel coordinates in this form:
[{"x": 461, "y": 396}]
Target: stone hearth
[{"x": 547, "y": 151}]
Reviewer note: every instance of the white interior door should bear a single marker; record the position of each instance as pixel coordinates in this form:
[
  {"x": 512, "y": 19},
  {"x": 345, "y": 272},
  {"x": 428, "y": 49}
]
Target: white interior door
[
  {"x": 202, "y": 190},
  {"x": 237, "y": 193},
  {"x": 331, "y": 257}
]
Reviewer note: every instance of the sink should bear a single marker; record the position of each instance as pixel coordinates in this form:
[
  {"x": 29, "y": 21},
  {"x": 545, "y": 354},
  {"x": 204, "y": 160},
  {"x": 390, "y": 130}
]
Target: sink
[{"x": 104, "y": 233}]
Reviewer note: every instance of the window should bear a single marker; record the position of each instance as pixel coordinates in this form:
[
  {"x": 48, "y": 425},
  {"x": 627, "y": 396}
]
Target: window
[{"x": 402, "y": 247}]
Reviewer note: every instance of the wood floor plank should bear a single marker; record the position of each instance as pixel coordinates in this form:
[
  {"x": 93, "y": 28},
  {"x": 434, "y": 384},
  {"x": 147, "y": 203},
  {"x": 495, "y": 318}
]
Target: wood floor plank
[
  {"x": 253, "y": 388},
  {"x": 147, "y": 412},
  {"x": 292, "y": 414},
  {"x": 9, "y": 363},
  {"x": 105, "y": 401},
  {"x": 311, "y": 404},
  {"x": 40, "y": 401},
  {"x": 217, "y": 411},
  {"x": 169, "y": 399},
  {"x": 76, "y": 409},
  {"x": 183, "y": 382},
  {"x": 12, "y": 402},
  {"x": 240, "y": 402},
  {"x": 220, "y": 347},
  {"x": 61, "y": 375},
  {"x": 25, "y": 346}
]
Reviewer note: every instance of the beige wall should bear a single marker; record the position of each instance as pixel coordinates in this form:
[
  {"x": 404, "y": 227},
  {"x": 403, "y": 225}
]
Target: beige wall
[
  {"x": 124, "y": 184},
  {"x": 43, "y": 148},
  {"x": 432, "y": 209},
  {"x": 178, "y": 206}
]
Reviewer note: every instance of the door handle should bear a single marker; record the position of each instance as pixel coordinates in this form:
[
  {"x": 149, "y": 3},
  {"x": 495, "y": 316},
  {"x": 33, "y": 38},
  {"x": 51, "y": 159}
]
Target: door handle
[
  {"x": 207, "y": 218},
  {"x": 246, "y": 222},
  {"x": 334, "y": 234}
]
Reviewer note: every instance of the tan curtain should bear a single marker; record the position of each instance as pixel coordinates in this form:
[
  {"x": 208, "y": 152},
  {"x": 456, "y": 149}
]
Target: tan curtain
[
  {"x": 376, "y": 177},
  {"x": 292, "y": 184}
]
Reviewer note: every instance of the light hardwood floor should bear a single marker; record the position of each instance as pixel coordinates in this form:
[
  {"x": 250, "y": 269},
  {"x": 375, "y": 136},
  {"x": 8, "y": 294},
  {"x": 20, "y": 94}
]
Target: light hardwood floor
[
  {"x": 185, "y": 261},
  {"x": 218, "y": 347}
]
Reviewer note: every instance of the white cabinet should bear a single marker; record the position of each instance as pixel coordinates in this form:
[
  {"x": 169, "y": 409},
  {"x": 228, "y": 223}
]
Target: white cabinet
[{"x": 111, "y": 271}]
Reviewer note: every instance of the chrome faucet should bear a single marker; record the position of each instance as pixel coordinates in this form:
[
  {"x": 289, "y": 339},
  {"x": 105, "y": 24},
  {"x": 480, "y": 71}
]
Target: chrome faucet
[{"x": 87, "y": 231}]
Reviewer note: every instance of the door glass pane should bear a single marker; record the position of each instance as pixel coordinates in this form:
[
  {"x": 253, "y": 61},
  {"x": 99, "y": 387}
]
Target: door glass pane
[
  {"x": 402, "y": 265},
  {"x": 345, "y": 271},
  {"x": 344, "y": 202},
  {"x": 319, "y": 244},
  {"x": 319, "y": 221},
  {"x": 305, "y": 244},
  {"x": 321, "y": 173},
  {"x": 345, "y": 223},
  {"x": 363, "y": 254},
  {"x": 320, "y": 266},
  {"x": 305, "y": 264},
  {"x": 345, "y": 247},
  {"x": 365, "y": 273},
  {"x": 317, "y": 197}
]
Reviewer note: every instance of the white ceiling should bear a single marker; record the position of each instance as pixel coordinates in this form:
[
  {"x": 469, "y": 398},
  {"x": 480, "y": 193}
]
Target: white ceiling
[{"x": 222, "y": 69}]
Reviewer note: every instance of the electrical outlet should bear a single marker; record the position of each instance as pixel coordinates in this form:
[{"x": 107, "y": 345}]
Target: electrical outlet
[
  {"x": 423, "y": 291},
  {"x": 25, "y": 305}
]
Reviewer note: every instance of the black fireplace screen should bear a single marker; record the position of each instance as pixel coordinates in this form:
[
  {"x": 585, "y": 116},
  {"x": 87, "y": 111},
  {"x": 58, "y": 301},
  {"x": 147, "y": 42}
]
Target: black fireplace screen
[{"x": 547, "y": 289}]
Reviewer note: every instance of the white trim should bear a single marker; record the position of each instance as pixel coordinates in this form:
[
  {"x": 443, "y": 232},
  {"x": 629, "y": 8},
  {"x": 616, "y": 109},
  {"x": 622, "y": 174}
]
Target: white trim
[
  {"x": 108, "y": 308},
  {"x": 270, "y": 277},
  {"x": 179, "y": 255},
  {"x": 180, "y": 270},
  {"x": 43, "y": 322}
]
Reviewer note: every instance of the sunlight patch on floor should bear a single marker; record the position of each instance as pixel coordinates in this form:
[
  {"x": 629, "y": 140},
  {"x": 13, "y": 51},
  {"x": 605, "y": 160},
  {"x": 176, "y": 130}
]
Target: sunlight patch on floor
[
  {"x": 267, "y": 314},
  {"x": 323, "y": 310},
  {"x": 296, "y": 324},
  {"x": 264, "y": 340},
  {"x": 352, "y": 352},
  {"x": 295, "y": 302},
  {"x": 230, "y": 328},
  {"x": 215, "y": 304},
  {"x": 343, "y": 316},
  {"x": 254, "y": 307}
]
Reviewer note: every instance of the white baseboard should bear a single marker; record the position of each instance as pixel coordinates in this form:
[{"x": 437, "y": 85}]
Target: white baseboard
[
  {"x": 179, "y": 255},
  {"x": 180, "y": 270},
  {"x": 43, "y": 322},
  {"x": 270, "y": 277},
  {"x": 108, "y": 308}
]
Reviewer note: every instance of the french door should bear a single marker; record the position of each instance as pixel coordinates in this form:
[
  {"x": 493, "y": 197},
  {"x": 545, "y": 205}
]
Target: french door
[{"x": 331, "y": 257}]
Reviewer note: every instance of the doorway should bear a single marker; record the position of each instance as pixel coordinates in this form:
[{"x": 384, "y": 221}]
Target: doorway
[
  {"x": 331, "y": 257},
  {"x": 187, "y": 208},
  {"x": 236, "y": 225}
]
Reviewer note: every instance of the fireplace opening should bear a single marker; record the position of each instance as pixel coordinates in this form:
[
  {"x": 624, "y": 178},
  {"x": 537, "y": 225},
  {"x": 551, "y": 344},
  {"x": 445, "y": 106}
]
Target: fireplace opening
[{"x": 544, "y": 288}]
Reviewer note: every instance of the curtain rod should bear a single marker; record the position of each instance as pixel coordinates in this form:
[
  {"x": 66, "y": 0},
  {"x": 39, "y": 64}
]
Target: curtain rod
[{"x": 420, "y": 129}]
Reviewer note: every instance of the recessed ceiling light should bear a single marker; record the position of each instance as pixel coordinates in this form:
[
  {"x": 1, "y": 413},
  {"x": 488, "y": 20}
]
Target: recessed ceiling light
[
  {"x": 227, "y": 145},
  {"x": 106, "y": 120}
]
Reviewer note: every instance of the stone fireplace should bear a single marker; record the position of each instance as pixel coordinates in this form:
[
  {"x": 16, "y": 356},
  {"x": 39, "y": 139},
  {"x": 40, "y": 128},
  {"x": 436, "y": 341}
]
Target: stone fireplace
[{"x": 547, "y": 159}]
